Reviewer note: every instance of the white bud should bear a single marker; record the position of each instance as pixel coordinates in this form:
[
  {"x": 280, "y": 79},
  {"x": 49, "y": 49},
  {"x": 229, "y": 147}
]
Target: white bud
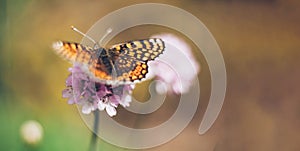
[{"x": 31, "y": 132}]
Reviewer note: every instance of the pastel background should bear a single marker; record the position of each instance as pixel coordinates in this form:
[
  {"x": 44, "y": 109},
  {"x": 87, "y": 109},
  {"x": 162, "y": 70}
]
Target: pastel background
[{"x": 260, "y": 41}]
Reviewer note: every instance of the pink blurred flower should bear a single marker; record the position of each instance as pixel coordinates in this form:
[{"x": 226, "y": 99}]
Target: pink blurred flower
[
  {"x": 176, "y": 68},
  {"x": 91, "y": 95}
]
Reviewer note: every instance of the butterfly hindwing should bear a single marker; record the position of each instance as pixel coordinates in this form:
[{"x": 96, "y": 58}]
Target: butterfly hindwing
[
  {"x": 124, "y": 70},
  {"x": 139, "y": 72},
  {"x": 129, "y": 69}
]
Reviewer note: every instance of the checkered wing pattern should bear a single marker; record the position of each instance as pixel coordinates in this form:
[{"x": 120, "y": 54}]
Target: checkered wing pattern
[
  {"x": 130, "y": 58},
  {"x": 122, "y": 63},
  {"x": 141, "y": 50}
]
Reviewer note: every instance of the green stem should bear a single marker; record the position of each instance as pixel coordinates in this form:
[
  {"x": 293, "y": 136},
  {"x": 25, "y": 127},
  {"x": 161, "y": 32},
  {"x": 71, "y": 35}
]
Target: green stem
[{"x": 93, "y": 143}]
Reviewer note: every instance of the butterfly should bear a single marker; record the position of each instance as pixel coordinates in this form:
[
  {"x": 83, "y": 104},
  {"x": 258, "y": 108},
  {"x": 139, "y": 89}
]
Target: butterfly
[{"x": 122, "y": 63}]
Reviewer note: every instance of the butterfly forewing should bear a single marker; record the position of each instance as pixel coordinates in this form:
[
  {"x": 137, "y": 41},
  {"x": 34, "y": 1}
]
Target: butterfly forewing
[
  {"x": 142, "y": 50},
  {"x": 73, "y": 52}
]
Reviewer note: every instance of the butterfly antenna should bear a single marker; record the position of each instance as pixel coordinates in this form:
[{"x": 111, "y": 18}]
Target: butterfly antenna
[
  {"x": 81, "y": 33},
  {"x": 108, "y": 31}
]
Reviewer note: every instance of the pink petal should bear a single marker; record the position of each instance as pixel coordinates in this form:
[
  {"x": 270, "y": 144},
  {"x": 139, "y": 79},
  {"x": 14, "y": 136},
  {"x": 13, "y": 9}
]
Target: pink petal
[
  {"x": 101, "y": 106},
  {"x": 87, "y": 108}
]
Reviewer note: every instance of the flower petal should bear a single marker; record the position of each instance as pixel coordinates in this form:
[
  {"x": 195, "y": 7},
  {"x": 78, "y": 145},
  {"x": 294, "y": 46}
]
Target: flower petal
[
  {"x": 111, "y": 111},
  {"x": 114, "y": 99},
  {"x": 87, "y": 108},
  {"x": 125, "y": 100},
  {"x": 101, "y": 105},
  {"x": 67, "y": 93},
  {"x": 71, "y": 101}
]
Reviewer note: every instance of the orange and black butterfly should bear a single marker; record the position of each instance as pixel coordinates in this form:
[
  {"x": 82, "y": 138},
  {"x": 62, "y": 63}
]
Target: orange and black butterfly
[{"x": 122, "y": 63}]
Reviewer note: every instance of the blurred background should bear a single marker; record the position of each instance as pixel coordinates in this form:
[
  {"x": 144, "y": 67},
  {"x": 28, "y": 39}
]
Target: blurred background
[{"x": 260, "y": 41}]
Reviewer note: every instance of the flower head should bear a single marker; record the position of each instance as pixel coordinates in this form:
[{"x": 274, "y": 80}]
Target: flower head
[{"x": 92, "y": 95}]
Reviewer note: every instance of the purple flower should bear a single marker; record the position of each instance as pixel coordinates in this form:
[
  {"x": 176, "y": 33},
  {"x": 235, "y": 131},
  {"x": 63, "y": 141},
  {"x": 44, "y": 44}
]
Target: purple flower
[
  {"x": 92, "y": 95},
  {"x": 176, "y": 68}
]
